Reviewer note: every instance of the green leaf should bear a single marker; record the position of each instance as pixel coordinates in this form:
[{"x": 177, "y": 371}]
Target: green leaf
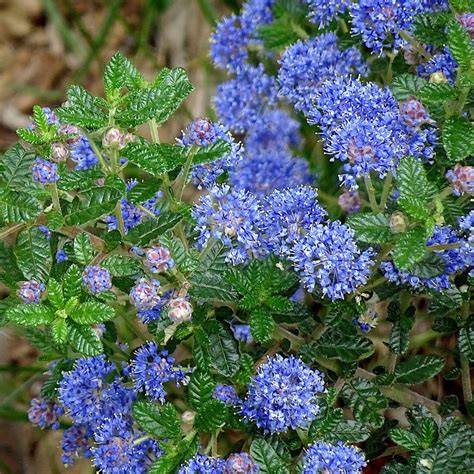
[
  {"x": 409, "y": 249},
  {"x": 72, "y": 282},
  {"x": 83, "y": 109},
  {"x": 155, "y": 158},
  {"x": 121, "y": 265},
  {"x": 350, "y": 431},
  {"x": 277, "y": 34},
  {"x": 371, "y": 228},
  {"x": 94, "y": 203},
  {"x": 267, "y": 458},
  {"x": 460, "y": 45},
  {"x": 458, "y": 138},
  {"x": 261, "y": 325},
  {"x": 176, "y": 87},
  {"x": 211, "y": 416},
  {"x": 161, "y": 421},
  {"x": 17, "y": 163},
  {"x": 30, "y": 314},
  {"x": 16, "y": 206},
  {"x": 433, "y": 93},
  {"x": 466, "y": 339},
  {"x": 92, "y": 312},
  {"x": 335, "y": 344},
  {"x": 151, "y": 229},
  {"x": 246, "y": 370},
  {"x": 418, "y": 368},
  {"x": 406, "y": 438},
  {"x": 200, "y": 389},
  {"x": 55, "y": 294},
  {"x": 83, "y": 249},
  {"x": 208, "y": 282},
  {"x": 79, "y": 180},
  {"x": 40, "y": 119},
  {"x": 54, "y": 220},
  {"x": 223, "y": 349},
  {"x": 59, "y": 330},
  {"x": 144, "y": 191},
  {"x": 120, "y": 72},
  {"x": 414, "y": 188},
  {"x": 407, "y": 85},
  {"x": 400, "y": 335},
  {"x": 33, "y": 254},
  {"x": 30, "y": 136},
  {"x": 430, "y": 266},
  {"x": 213, "y": 152},
  {"x": 85, "y": 340}
]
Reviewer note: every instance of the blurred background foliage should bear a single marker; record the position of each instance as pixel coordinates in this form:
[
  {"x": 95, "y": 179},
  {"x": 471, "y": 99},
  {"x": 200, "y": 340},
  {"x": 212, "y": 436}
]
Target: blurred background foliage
[{"x": 45, "y": 45}]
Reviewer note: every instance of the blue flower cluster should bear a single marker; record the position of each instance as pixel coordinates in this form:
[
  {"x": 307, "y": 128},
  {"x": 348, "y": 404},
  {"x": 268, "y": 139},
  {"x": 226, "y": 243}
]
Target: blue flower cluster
[
  {"x": 203, "y": 132},
  {"x": 455, "y": 259},
  {"x": 236, "y": 463},
  {"x": 158, "y": 259},
  {"x": 322, "y": 12},
  {"x": 97, "y": 279},
  {"x": 44, "y": 413},
  {"x": 333, "y": 458},
  {"x": 364, "y": 128},
  {"x": 283, "y": 395},
  {"x": 44, "y": 171},
  {"x": 231, "y": 217},
  {"x": 226, "y": 394},
  {"x": 305, "y": 65},
  {"x": 152, "y": 368},
  {"x": 145, "y": 294},
  {"x": 82, "y": 154},
  {"x": 132, "y": 214},
  {"x": 30, "y": 291},
  {"x": 327, "y": 258},
  {"x": 461, "y": 178},
  {"x": 442, "y": 64}
]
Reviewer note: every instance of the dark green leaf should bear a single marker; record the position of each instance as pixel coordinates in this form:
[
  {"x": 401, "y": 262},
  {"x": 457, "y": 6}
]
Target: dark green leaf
[
  {"x": 400, "y": 335},
  {"x": 200, "y": 389},
  {"x": 151, "y": 229},
  {"x": 120, "y": 72},
  {"x": 121, "y": 265},
  {"x": 407, "y": 85},
  {"x": 418, "y": 368},
  {"x": 267, "y": 458},
  {"x": 33, "y": 254},
  {"x": 460, "y": 45},
  {"x": 79, "y": 180},
  {"x": 433, "y": 93},
  {"x": 55, "y": 294},
  {"x": 85, "y": 340},
  {"x": 213, "y": 152},
  {"x": 334, "y": 344},
  {"x": 92, "y": 312},
  {"x": 16, "y": 206},
  {"x": 409, "y": 248},
  {"x": 17, "y": 163},
  {"x": 261, "y": 325},
  {"x": 458, "y": 138},
  {"x": 83, "y": 250},
  {"x": 371, "y": 228},
  {"x": 430, "y": 266},
  {"x": 466, "y": 339},
  {"x": 223, "y": 350},
  {"x": 406, "y": 438},
  {"x": 350, "y": 431},
  {"x": 72, "y": 282},
  {"x": 211, "y": 416},
  {"x": 94, "y": 203},
  {"x": 277, "y": 34},
  {"x": 155, "y": 158},
  {"x": 144, "y": 191},
  {"x": 161, "y": 421},
  {"x": 30, "y": 314}
]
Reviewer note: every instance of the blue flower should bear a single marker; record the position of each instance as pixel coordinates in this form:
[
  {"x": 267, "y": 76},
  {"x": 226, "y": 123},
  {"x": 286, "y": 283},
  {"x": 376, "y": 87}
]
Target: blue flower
[
  {"x": 83, "y": 154},
  {"x": 256, "y": 13},
  {"x": 96, "y": 278},
  {"x": 349, "y": 201},
  {"x": 90, "y": 392},
  {"x": 230, "y": 217},
  {"x": 276, "y": 131},
  {"x": 328, "y": 259},
  {"x": 119, "y": 450},
  {"x": 443, "y": 63},
  {"x": 226, "y": 394},
  {"x": 145, "y": 294},
  {"x": 229, "y": 44},
  {"x": 152, "y": 368},
  {"x": 44, "y": 171},
  {"x": 305, "y": 65},
  {"x": 239, "y": 102},
  {"x": 242, "y": 333},
  {"x": 366, "y": 321},
  {"x": 289, "y": 214},
  {"x": 240, "y": 463},
  {"x": 30, "y": 291},
  {"x": 333, "y": 458},
  {"x": 455, "y": 260},
  {"x": 283, "y": 395},
  {"x": 203, "y": 464},
  {"x": 75, "y": 443},
  {"x": 61, "y": 256},
  {"x": 203, "y": 132},
  {"x": 322, "y": 12},
  {"x": 44, "y": 413},
  {"x": 46, "y": 232}
]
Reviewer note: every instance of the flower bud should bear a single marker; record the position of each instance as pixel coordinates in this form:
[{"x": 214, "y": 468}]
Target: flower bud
[
  {"x": 349, "y": 201},
  {"x": 179, "y": 310},
  {"x": 145, "y": 294},
  {"x": 114, "y": 139},
  {"x": 398, "y": 222},
  {"x": 188, "y": 417},
  {"x": 59, "y": 152},
  {"x": 158, "y": 259},
  {"x": 438, "y": 78}
]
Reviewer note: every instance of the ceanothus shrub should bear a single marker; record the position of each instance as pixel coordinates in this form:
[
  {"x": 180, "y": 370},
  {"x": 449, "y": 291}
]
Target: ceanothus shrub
[{"x": 309, "y": 310}]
